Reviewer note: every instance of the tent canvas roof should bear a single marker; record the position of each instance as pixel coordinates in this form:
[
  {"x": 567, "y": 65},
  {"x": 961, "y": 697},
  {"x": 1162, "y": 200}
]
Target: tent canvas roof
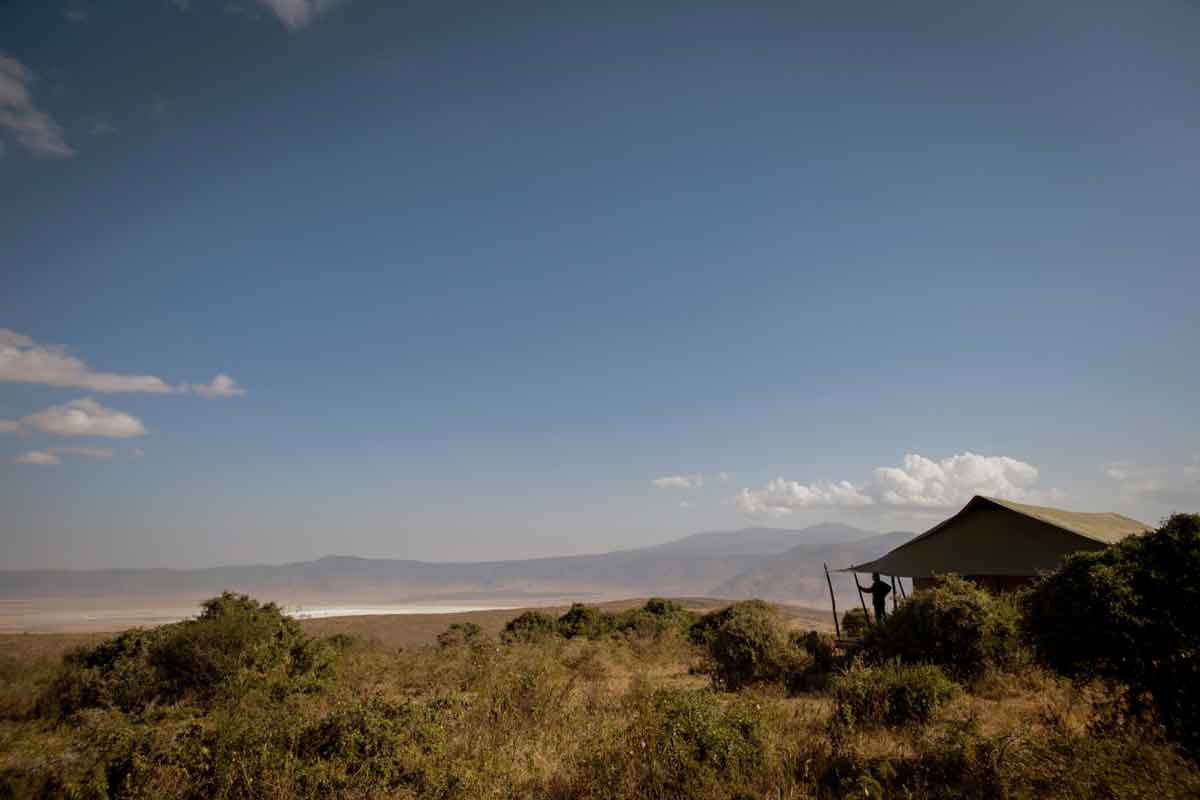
[{"x": 1097, "y": 529}]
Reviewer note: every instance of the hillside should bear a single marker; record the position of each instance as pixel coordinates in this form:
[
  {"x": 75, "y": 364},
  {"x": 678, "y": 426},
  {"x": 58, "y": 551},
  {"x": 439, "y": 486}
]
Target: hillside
[
  {"x": 692, "y": 565},
  {"x": 796, "y": 576}
]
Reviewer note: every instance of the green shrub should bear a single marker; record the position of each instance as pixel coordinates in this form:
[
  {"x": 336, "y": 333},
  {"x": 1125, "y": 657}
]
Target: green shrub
[
  {"x": 585, "y": 621},
  {"x": 531, "y": 626},
  {"x": 460, "y": 634},
  {"x": 656, "y": 618},
  {"x": 679, "y": 743},
  {"x": 703, "y": 629},
  {"x": 890, "y": 694},
  {"x": 955, "y": 625},
  {"x": 1129, "y": 613},
  {"x": 746, "y": 645},
  {"x": 236, "y": 642},
  {"x": 855, "y": 623}
]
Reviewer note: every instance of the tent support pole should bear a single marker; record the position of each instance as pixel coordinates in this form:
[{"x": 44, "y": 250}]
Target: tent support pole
[
  {"x": 832, "y": 601},
  {"x": 902, "y": 594},
  {"x": 854, "y": 577},
  {"x": 894, "y": 592}
]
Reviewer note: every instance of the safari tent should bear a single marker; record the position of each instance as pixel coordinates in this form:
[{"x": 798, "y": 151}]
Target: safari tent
[{"x": 1000, "y": 544}]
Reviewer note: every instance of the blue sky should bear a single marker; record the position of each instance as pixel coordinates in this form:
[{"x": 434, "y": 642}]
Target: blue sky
[{"x": 488, "y": 280}]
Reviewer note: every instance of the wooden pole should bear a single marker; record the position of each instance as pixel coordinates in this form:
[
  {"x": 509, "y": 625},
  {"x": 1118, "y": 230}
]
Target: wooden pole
[
  {"x": 902, "y": 593},
  {"x": 854, "y": 575},
  {"x": 894, "y": 592},
  {"x": 833, "y": 601}
]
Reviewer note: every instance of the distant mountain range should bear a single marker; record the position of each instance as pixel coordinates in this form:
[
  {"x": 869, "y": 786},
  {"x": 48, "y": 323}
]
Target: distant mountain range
[{"x": 776, "y": 564}]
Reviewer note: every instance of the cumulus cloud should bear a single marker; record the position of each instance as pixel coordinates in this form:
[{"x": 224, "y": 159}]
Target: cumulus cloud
[
  {"x": 679, "y": 482},
  {"x": 34, "y": 129},
  {"x": 220, "y": 386},
  {"x": 39, "y": 457},
  {"x": 24, "y": 361},
  {"x": 51, "y": 455},
  {"x": 952, "y": 481},
  {"x": 85, "y": 417},
  {"x": 297, "y": 14},
  {"x": 918, "y": 483},
  {"x": 780, "y": 498}
]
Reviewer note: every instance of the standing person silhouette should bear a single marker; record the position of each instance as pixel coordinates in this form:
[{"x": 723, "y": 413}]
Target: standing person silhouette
[{"x": 879, "y": 592}]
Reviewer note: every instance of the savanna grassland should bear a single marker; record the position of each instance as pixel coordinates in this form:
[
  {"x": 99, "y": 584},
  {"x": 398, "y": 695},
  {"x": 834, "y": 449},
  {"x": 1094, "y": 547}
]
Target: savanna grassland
[{"x": 957, "y": 695}]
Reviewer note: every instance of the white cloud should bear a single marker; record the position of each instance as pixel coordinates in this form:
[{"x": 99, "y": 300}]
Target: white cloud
[
  {"x": 13, "y": 339},
  {"x": 725, "y": 476},
  {"x": 34, "y": 129},
  {"x": 85, "y": 417},
  {"x": 924, "y": 483},
  {"x": 9, "y": 426},
  {"x": 39, "y": 457},
  {"x": 684, "y": 504},
  {"x": 780, "y": 498},
  {"x": 220, "y": 386},
  {"x": 51, "y": 455},
  {"x": 86, "y": 452},
  {"x": 918, "y": 483},
  {"x": 101, "y": 127},
  {"x": 296, "y": 14},
  {"x": 24, "y": 361},
  {"x": 679, "y": 482},
  {"x": 1160, "y": 484}
]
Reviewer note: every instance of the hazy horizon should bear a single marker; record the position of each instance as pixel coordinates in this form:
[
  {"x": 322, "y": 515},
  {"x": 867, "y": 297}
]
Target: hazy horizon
[{"x": 286, "y": 278}]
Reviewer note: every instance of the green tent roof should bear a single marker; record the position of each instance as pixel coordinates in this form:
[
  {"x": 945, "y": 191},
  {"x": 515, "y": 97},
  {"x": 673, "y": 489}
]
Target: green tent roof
[{"x": 990, "y": 536}]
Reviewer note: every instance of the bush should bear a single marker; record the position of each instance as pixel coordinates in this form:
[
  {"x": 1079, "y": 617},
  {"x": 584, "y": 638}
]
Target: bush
[
  {"x": 531, "y": 626},
  {"x": 890, "y": 694},
  {"x": 958, "y": 761},
  {"x": 679, "y": 743},
  {"x": 955, "y": 625},
  {"x": 746, "y": 644},
  {"x": 1129, "y": 613},
  {"x": 656, "y": 618},
  {"x": 585, "y": 621},
  {"x": 460, "y": 634},
  {"x": 236, "y": 642},
  {"x": 855, "y": 623}
]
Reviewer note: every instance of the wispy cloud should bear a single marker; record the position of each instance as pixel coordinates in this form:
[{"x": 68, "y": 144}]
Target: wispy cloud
[
  {"x": 679, "y": 482},
  {"x": 51, "y": 455},
  {"x": 24, "y": 361},
  {"x": 220, "y": 386},
  {"x": 297, "y": 14},
  {"x": 100, "y": 127},
  {"x": 918, "y": 483},
  {"x": 85, "y": 417},
  {"x": 39, "y": 457},
  {"x": 34, "y": 129},
  {"x": 1164, "y": 485}
]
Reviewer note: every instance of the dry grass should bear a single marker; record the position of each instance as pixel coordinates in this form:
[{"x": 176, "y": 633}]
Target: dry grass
[{"x": 554, "y": 719}]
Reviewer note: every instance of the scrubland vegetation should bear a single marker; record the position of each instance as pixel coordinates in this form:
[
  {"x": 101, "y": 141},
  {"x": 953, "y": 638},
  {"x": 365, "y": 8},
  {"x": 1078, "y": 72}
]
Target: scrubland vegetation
[{"x": 1083, "y": 687}]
